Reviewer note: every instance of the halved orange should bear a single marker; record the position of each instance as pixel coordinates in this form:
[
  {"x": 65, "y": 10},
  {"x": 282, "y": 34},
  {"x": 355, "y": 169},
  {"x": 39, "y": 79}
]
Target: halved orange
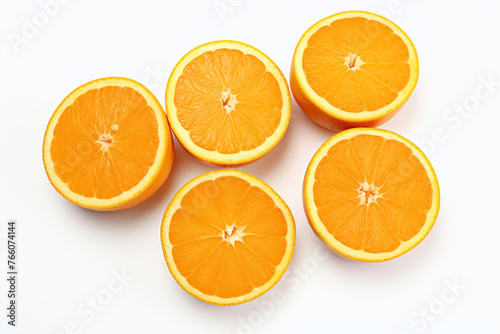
[
  {"x": 108, "y": 145},
  {"x": 353, "y": 69},
  {"x": 370, "y": 194},
  {"x": 228, "y": 103},
  {"x": 227, "y": 237}
]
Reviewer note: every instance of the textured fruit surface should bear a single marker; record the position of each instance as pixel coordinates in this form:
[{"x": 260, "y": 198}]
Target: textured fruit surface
[
  {"x": 227, "y": 237},
  {"x": 353, "y": 69},
  {"x": 228, "y": 103},
  {"x": 108, "y": 145},
  {"x": 370, "y": 194}
]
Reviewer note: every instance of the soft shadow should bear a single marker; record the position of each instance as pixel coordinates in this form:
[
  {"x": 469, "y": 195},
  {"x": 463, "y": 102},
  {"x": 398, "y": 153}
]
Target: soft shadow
[
  {"x": 391, "y": 278},
  {"x": 409, "y": 116},
  {"x": 272, "y": 158},
  {"x": 313, "y": 126},
  {"x": 299, "y": 119},
  {"x": 299, "y": 128}
]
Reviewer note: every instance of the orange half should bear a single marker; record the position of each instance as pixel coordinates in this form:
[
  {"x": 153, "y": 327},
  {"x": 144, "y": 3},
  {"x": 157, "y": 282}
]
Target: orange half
[
  {"x": 227, "y": 237},
  {"x": 370, "y": 194},
  {"x": 353, "y": 69},
  {"x": 227, "y": 103},
  {"x": 108, "y": 145}
]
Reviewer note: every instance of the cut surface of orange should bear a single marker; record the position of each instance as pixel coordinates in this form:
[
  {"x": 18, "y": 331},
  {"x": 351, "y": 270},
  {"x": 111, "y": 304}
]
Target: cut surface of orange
[
  {"x": 227, "y": 237},
  {"x": 227, "y": 103},
  {"x": 370, "y": 194},
  {"x": 108, "y": 145},
  {"x": 353, "y": 69}
]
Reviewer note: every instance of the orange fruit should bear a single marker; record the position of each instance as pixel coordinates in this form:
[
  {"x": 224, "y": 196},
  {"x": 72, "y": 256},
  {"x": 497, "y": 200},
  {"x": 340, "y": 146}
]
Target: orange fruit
[
  {"x": 227, "y": 237},
  {"x": 353, "y": 69},
  {"x": 228, "y": 104},
  {"x": 108, "y": 145},
  {"x": 370, "y": 194}
]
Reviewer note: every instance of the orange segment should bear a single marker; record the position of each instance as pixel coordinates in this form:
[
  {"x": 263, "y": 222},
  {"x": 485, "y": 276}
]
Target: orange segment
[
  {"x": 353, "y": 69},
  {"x": 108, "y": 145},
  {"x": 227, "y": 237},
  {"x": 228, "y": 103},
  {"x": 370, "y": 194}
]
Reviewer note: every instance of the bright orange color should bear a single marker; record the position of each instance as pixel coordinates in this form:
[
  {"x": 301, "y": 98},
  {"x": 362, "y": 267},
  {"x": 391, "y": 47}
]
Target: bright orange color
[
  {"x": 353, "y": 69},
  {"x": 228, "y": 103},
  {"x": 370, "y": 194},
  {"x": 227, "y": 237},
  {"x": 108, "y": 145}
]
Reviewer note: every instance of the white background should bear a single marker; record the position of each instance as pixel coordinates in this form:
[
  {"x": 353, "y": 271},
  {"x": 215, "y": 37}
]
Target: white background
[{"x": 68, "y": 254}]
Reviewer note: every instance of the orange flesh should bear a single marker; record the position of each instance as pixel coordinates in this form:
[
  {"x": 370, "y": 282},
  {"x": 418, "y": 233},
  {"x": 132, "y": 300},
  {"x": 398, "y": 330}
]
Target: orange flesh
[
  {"x": 372, "y": 193},
  {"x": 105, "y": 142},
  {"x": 228, "y": 237},
  {"x": 228, "y": 101},
  {"x": 356, "y": 64}
]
